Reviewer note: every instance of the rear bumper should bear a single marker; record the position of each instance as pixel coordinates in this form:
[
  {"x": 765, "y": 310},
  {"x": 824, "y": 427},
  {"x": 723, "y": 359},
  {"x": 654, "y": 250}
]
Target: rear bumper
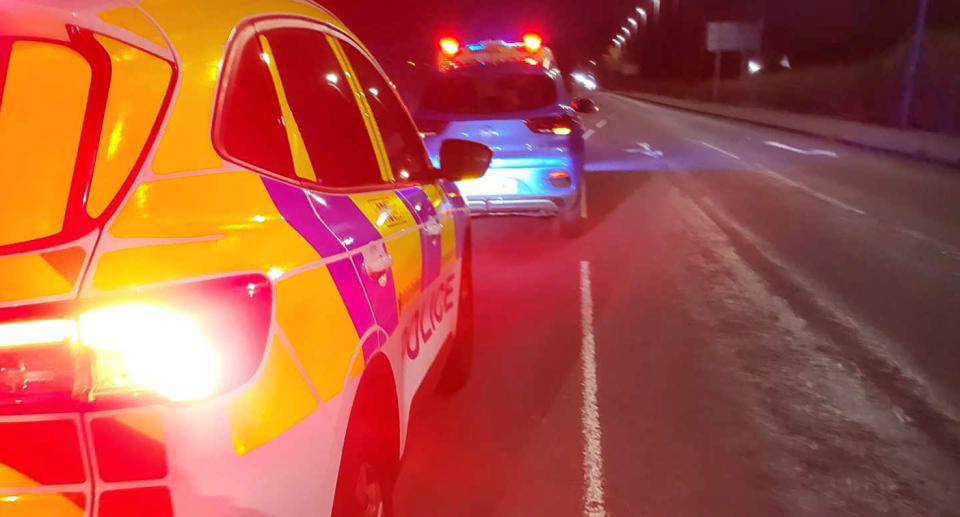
[
  {"x": 524, "y": 187},
  {"x": 541, "y": 207}
]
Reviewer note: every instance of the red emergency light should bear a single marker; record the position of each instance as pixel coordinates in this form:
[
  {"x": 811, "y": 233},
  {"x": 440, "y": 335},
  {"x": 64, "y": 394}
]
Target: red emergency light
[
  {"x": 449, "y": 46},
  {"x": 533, "y": 42}
]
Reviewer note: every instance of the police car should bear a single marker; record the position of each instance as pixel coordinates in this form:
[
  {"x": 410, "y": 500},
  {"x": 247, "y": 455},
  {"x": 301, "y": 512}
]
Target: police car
[
  {"x": 226, "y": 263},
  {"x": 511, "y": 97}
]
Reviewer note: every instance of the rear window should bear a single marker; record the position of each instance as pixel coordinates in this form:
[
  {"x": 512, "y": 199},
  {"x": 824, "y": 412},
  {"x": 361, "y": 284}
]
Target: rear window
[{"x": 490, "y": 94}]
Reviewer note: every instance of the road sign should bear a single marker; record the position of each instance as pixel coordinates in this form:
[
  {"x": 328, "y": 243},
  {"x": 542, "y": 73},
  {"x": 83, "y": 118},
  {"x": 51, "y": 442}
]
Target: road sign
[{"x": 733, "y": 36}]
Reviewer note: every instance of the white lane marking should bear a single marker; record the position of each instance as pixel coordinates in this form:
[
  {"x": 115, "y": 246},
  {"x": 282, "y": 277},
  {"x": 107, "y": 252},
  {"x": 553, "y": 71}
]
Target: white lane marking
[
  {"x": 828, "y": 303},
  {"x": 817, "y": 194},
  {"x": 644, "y": 148},
  {"x": 944, "y": 248},
  {"x": 811, "y": 152},
  {"x": 721, "y": 151},
  {"x": 590, "y": 413},
  {"x": 583, "y": 200},
  {"x": 587, "y": 134},
  {"x": 601, "y": 124}
]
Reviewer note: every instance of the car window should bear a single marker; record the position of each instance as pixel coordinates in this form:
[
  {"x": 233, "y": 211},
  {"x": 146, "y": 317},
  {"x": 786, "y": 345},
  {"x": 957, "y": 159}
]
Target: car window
[
  {"x": 325, "y": 108},
  {"x": 248, "y": 125},
  {"x": 403, "y": 144},
  {"x": 490, "y": 94}
]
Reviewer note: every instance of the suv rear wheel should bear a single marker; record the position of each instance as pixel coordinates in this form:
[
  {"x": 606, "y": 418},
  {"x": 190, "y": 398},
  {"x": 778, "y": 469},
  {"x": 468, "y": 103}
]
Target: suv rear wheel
[
  {"x": 571, "y": 222},
  {"x": 368, "y": 466}
]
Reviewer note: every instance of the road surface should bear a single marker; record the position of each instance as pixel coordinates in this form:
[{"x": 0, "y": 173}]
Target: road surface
[{"x": 756, "y": 323}]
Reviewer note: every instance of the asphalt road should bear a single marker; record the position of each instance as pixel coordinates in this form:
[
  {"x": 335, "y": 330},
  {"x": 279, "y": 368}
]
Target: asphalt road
[{"x": 768, "y": 323}]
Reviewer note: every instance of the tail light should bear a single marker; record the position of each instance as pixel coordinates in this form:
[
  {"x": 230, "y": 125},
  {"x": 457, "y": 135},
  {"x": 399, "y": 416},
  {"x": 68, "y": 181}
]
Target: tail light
[
  {"x": 173, "y": 344},
  {"x": 561, "y": 125},
  {"x": 432, "y": 127},
  {"x": 560, "y": 179}
]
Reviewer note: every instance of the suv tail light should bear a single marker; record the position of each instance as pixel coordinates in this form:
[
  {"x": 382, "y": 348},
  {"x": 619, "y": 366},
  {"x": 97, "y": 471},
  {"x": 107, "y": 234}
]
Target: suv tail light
[
  {"x": 173, "y": 344},
  {"x": 561, "y": 125},
  {"x": 432, "y": 127}
]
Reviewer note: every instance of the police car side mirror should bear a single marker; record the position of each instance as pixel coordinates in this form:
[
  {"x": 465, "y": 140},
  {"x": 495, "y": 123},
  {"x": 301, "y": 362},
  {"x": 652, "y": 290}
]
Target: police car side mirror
[
  {"x": 463, "y": 160},
  {"x": 584, "y": 105}
]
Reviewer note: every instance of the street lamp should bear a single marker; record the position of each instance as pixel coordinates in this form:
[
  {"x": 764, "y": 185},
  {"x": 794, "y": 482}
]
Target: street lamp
[{"x": 643, "y": 13}]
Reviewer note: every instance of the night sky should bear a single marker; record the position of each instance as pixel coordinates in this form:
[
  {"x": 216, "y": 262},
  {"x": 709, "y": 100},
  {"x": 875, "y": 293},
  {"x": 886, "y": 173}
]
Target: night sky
[{"x": 812, "y": 30}]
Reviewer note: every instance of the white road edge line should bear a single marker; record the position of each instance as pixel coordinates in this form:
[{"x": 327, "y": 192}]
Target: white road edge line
[
  {"x": 587, "y": 134},
  {"x": 590, "y": 412},
  {"x": 583, "y": 200},
  {"x": 811, "y": 152},
  {"x": 601, "y": 124},
  {"x": 722, "y": 151},
  {"x": 817, "y": 194}
]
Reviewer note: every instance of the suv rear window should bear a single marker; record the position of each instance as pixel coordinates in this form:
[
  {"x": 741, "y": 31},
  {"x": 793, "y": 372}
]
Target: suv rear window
[{"x": 490, "y": 94}]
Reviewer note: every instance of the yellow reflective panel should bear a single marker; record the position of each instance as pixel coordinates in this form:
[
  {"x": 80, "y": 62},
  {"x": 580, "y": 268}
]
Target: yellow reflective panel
[
  {"x": 41, "y": 117},
  {"x": 358, "y": 365},
  {"x": 45, "y": 504},
  {"x": 14, "y": 478},
  {"x": 138, "y": 83},
  {"x": 298, "y": 149},
  {"x": 278, "y": 400},
  {"x": 315, "y": 320},
  {"x": 230, "y": 221},
  {"x": 24, "y": 277},
  {"x": 448, "y": 239},
  {"x": 397, "y": 225},
  {"x": 196, "y": 206},
  {"x": 131, "y": 19},
  {"x": 52, "y": 504},
  {"x": 199, "y": 32}
]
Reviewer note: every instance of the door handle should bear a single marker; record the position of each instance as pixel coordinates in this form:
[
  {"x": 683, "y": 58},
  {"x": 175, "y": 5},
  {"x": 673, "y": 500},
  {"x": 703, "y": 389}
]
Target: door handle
[
  {"x": 433, "y": 227},
  {"x": 377, "y": 263}
]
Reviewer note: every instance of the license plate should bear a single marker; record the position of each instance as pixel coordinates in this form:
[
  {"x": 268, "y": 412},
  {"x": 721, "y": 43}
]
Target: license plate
[{"x": 489, "y": 186}]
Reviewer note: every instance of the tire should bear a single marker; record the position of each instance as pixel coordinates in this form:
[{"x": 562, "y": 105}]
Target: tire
[
  {"x": 368, "y": 466},
  {"x": 456, "y": 372},
  {"x": 570, "y": 223}
]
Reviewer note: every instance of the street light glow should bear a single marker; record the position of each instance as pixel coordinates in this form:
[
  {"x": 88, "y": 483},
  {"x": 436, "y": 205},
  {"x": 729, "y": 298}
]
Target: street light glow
[{"x": 642, "y": 13}]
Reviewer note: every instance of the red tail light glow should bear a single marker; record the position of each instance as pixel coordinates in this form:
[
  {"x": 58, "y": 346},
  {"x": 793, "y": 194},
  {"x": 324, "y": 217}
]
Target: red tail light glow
[
  {"x": 562, "y": 125},
  {"x": 449, "y": 46},
  {"x": 173, "y": 344},
  {"x": 138, "y": 346},
  {"x": 560, "y": 178},
  {"x": 532, "y": 42}
]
